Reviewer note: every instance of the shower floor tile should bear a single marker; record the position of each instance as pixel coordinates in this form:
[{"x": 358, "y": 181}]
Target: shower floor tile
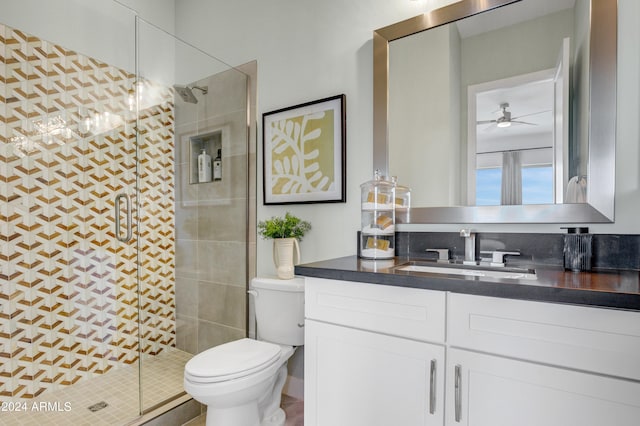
[{"x": 162, "y": 377}]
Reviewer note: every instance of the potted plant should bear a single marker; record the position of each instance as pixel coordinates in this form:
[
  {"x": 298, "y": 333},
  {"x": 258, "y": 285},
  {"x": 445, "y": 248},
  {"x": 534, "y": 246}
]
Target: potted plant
[{"x": 286, "y": 232}]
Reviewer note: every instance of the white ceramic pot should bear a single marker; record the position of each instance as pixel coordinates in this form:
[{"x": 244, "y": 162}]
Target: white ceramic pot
[{"x": 283, "y": 251}]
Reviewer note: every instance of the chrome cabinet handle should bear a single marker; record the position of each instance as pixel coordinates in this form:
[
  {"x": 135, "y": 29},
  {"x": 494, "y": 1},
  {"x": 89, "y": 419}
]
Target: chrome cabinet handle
[
  {"x": 128, "y": 234},
  {"x": 432, "y": 388},
  {"x": 458, "y": 392}
]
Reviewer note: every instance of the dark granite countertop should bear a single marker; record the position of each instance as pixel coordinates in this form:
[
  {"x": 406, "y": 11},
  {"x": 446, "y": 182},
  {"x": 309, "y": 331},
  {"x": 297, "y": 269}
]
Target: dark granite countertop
[{"x": 610, "y": 289}]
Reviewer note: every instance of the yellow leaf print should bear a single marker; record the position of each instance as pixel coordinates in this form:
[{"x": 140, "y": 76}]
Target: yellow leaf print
[{"x": 302, "y": 153}]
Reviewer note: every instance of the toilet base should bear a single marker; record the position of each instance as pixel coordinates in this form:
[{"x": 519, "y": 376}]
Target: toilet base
[
  {"x": 246, "y": 415},
  {"x": 276, "y": 419},
  {"x": 249, "y": 414}
]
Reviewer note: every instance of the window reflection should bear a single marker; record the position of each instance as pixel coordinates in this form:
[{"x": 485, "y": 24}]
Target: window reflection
[{"x": 537, "y": 185}]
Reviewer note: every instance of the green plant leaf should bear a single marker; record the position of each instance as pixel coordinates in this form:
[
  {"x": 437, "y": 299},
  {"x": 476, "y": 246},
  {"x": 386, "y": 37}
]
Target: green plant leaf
[{"x": 288, "y": 226}]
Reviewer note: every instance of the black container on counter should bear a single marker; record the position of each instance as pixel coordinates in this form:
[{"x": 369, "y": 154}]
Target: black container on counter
[{"x": 577, "y": 249}]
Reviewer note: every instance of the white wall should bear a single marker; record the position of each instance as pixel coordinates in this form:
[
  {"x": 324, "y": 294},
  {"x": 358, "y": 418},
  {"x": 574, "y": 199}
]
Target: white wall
[
  {"x": 309, "y": 50},
  {"x": 423, "y": 116},
  {"x": 524, "y": 47},
  {"x": 160, "y": 13},
  {"x": 581, "y": 94},
  {"x": 305, "y": 51},
  {"x": 102, "y": 29}
]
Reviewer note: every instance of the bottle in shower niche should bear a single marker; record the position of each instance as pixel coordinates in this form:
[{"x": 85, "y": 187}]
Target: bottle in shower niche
[
  {"x": 204, "y": 167},
  {"x": 217, "y": 166}
]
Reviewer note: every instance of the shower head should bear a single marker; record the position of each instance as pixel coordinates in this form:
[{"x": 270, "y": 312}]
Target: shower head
[{"x": 186, "y": 92}]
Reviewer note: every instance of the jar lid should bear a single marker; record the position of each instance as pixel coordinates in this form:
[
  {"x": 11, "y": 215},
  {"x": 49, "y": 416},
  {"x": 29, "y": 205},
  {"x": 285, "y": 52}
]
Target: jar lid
[{"x": 379, "y": 180}]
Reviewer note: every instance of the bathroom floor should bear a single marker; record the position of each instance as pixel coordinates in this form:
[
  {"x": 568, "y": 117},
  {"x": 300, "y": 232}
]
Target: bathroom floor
[
  {"x": 162, "y": 377},
  {"x": 294, "y": 408}
]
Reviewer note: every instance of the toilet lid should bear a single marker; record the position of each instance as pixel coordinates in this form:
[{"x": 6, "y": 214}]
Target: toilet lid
[{"x": 231, "y": 360}]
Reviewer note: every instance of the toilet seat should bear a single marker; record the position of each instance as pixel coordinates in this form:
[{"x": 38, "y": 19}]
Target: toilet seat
[{"x": 232, "y": 360}]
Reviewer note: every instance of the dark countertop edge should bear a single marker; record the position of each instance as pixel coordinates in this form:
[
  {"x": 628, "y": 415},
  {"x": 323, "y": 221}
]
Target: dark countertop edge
[{"x": 595, "y": 298}]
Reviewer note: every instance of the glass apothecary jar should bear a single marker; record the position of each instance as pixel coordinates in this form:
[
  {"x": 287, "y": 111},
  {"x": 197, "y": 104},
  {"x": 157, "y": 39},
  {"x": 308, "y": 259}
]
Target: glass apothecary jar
[
  {"x": 378, "y": 223},
  {"x": 402, "y": 203}
]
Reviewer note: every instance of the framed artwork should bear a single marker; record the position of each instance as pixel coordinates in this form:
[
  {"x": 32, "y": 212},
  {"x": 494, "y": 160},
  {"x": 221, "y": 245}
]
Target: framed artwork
[{"x": 304, "y": 153}]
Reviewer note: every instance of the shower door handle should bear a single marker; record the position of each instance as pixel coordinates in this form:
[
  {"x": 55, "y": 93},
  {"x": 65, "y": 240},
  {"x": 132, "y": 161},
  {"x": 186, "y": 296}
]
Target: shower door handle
[{"x": 128, "y": 234}]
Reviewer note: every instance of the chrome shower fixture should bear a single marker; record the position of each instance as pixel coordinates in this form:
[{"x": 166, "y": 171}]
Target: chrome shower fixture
[{"x": 186, "y": 92}]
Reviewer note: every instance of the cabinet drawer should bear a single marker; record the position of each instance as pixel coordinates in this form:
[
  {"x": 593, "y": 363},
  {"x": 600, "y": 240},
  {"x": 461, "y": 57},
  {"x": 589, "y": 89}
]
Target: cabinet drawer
[
  {"x": 399, "y": 311},
  {"x": 601, "y": 340}
]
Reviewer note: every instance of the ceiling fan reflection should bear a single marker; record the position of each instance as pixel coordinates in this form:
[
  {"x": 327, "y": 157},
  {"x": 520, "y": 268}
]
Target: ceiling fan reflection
[{"x": 506, "y": 120}]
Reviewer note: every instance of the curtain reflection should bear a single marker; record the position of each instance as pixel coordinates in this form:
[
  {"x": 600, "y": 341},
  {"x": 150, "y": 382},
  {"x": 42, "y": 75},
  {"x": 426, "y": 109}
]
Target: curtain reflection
[
  {"x": 576, "y": 190},
  {"x": 511, "y": 178}
]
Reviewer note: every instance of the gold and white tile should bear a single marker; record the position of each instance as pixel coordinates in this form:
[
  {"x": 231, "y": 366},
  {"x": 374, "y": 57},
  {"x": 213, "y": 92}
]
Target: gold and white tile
[{"x": 69, "y": 302}]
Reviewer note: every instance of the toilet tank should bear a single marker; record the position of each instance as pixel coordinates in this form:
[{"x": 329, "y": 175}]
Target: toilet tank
[{"x": 279, "y": 308}]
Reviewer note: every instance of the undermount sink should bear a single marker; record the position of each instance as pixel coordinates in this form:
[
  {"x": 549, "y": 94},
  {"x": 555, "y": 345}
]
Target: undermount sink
[{"x": 527, "y": 274}]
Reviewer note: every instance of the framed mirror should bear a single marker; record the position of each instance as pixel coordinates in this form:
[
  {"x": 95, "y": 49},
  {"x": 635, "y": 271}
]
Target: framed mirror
[{"x": 500, "y": 111}]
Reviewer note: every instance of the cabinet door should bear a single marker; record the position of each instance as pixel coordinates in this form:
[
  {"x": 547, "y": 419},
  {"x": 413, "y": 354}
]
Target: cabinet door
[
  {"x": 355, "y": 377},
  {"x": 486, "y": 390}
]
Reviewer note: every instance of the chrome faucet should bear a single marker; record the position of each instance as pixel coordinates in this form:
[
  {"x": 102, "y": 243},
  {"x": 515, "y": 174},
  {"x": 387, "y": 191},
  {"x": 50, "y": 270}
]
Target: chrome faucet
[
  {"x": 443, "y": 254},
  {"x": 497, "y": 257},
  {"x": 469, "y": 246}
]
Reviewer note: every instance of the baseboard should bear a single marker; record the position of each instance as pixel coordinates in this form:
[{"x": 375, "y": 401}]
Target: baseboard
[
  {"x": 294, "y": 387},
  {"x": 177, "y": 411}
]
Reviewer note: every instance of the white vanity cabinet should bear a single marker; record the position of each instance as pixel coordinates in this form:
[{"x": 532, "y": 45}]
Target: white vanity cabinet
[
  {"x": 370, "y": 351},
  {"x": 514, "y": 362},
  {"x": 374, "y": 355}
]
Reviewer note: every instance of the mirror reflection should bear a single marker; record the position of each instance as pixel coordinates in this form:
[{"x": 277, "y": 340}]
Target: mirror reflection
[{"x": 493, "y": 109}]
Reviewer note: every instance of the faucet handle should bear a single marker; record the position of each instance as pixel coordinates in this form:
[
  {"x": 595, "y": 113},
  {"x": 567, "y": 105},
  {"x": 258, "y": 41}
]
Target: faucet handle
[
  {"x": 443, "y": 254},
  {"x": 466, "y": 233},
  {"x": 497, "y": 257}
]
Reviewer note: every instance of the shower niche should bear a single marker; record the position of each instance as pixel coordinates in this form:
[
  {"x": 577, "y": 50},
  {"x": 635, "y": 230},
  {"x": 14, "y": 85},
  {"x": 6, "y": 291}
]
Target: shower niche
[{"x": 206, "y": 157}]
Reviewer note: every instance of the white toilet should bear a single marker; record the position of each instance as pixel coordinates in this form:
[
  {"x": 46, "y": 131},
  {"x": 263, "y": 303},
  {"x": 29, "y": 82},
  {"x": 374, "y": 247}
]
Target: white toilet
[{"x": 240, "y": 382}]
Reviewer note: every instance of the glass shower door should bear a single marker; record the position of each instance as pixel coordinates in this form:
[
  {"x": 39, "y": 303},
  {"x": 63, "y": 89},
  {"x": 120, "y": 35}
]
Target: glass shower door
[{"x": 192, "y": 226}]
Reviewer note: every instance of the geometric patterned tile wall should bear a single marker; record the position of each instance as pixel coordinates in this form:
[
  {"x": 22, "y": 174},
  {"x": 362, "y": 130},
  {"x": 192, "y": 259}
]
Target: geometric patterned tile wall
[
  {"x": 157, "y": 227},
  {"x": 69, "y": 305}
]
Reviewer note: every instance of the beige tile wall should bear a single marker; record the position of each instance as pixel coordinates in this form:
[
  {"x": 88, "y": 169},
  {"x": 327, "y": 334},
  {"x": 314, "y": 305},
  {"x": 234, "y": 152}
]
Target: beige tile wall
[{"x": 211, "y": 220}]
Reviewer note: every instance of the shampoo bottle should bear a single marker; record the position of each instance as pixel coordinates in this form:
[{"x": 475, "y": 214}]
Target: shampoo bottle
[
  {"x": 217, "y": 167},
  {"x": 204, "y": 167}
]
